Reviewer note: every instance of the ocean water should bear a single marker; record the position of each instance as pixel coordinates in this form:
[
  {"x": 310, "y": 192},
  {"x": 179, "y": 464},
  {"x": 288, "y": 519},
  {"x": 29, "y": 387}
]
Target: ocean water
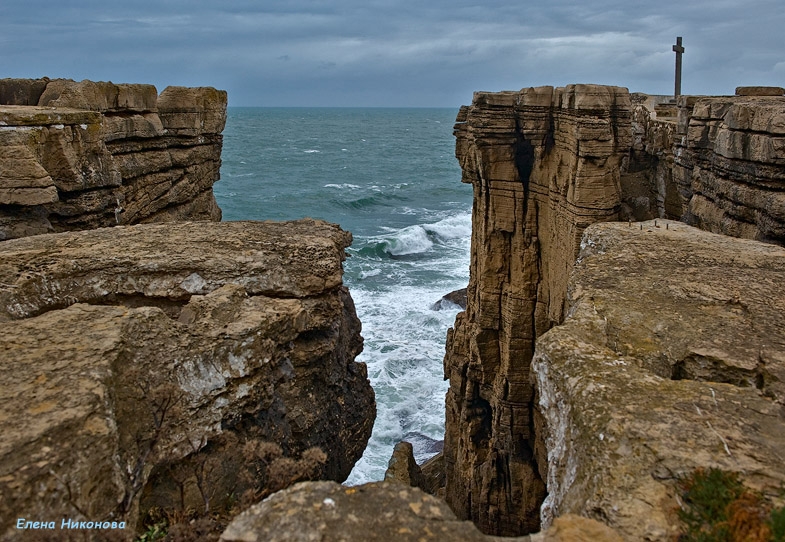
[{"x": 390, "y": 177}]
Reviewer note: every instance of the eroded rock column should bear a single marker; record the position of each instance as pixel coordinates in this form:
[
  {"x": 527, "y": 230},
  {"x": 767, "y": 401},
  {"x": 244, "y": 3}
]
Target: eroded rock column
[{"x": 544, "y": 163}]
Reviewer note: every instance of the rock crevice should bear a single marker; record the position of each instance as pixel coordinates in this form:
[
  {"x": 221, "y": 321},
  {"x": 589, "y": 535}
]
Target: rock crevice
[{"x": 545, "y": 163}]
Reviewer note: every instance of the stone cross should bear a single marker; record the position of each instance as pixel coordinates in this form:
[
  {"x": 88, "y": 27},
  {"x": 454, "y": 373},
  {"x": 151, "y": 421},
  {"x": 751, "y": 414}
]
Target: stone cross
[{"x": 679, "y": 50}]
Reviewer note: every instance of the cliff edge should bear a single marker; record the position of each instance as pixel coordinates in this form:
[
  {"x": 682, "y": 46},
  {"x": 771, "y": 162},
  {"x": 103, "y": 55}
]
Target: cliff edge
[
  {"x": 139, "y": 362},
  {"x": 671, "y": 359},
  {"x": 545, "y": 163},
  {"x": 84, "y": 155}
]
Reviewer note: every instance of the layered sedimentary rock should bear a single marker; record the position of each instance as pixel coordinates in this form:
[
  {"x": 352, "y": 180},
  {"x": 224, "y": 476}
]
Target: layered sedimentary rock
[
  {"x": 718, "y": 164},
  {"x": 135, "y": 356},
  {"x": 729, "y": 165},
  {"x": 544, "y": 164},
  {"x": 670, "y": 358},
  {"x": 81, "y": 155}
]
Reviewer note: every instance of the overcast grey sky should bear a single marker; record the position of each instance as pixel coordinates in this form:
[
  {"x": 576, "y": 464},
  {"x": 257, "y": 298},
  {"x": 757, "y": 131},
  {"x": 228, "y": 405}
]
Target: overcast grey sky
[{"x": 394, "y": 53}]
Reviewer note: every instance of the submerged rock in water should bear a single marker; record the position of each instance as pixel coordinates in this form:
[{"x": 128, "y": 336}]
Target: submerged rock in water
[
  {"x": 448, "y": 301},
  {"x": 137, "y": 353}
]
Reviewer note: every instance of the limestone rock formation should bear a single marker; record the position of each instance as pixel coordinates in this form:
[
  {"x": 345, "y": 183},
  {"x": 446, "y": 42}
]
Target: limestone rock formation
[
  {"x": 451, "y": 300},
  {"x": 82, "y": 155},
  {"x": 544, "y": 164},
  {"x": 132, "y": 354},
  {"x": 378, "y": 511},
  {"x": 717, "y": 164},
  {"x": 670, "y": 358},
  {"x": 729, "y": 165},
  {"x": 402, "y": 467}
]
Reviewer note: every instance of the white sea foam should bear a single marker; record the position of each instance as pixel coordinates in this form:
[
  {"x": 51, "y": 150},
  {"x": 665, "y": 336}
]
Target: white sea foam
[
  {"x": 311, "y": 151},
  {"x": 343, "y": 186},
  {"x": 375, "y": 272},
  {"x": 404, "y": 347},
  {"x": 453, "y": 227},
  {"x": 409, "y": 240}
]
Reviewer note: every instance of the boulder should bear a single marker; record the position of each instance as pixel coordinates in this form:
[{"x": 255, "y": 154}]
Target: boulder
[
  {"x": 135, "y": 356},
  {"x": 379, "y": 511}
]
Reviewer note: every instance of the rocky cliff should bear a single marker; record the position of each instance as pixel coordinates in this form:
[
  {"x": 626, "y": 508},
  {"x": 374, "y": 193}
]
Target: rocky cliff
[
  {"x": 545, "y": 163},
  {"x": 139, "y": 360},
  {"x": 715, "y": 162},
  {"x": 671, "y": 358},
  {"x": 81, "y": 155}
]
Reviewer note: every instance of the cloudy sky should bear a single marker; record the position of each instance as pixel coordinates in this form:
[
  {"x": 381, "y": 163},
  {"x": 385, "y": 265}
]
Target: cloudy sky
[{"x": 394, "y": 53}]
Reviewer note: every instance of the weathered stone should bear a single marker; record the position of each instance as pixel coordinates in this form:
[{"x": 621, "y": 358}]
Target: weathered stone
[
  {"x": 99, "y": 154},
  {"x": 99, "y": 96},
  {"x": 544, "y": 164},
  {"x": 130, "y": 354},
  {"x": 719, "y": 166},
  {"x": 327, "y": 511},
  {"x": 192, "y": 111},
  {"x": 434, "y": 474},
  {"x": 379, "y": 511},
  {"x": 571, "y": 528},
  {"x": 457, "y": 297},
  {"x": 22, "y": 91},
  {"x": 760, "y": 91},
  {"x": 670, "y": 359},
  {"x": 402, "y": 467}
]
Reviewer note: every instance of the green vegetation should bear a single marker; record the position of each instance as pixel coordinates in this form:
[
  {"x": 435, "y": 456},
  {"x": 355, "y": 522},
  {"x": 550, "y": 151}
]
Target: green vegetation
[{"x": 718, "y": 508}]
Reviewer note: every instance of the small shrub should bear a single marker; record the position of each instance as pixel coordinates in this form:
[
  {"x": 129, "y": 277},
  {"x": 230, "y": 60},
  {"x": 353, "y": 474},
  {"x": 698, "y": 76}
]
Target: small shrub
[
  {"x": 718, "y": 508},
  {"x": 778, "y": 525}
]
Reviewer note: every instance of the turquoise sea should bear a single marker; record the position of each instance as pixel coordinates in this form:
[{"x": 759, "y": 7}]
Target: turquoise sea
[{"x": 391, "y": 178}]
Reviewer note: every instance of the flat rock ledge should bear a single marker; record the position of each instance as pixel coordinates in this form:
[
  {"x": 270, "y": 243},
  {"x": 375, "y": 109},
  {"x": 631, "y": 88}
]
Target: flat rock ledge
[
  {"x": 130, "y": 355},
  {"x": 672, "y": 357}
]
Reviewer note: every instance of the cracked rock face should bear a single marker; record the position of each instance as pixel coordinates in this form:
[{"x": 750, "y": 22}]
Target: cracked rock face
[
  {"x": 670, "y": 358},
  {"x": 544, "y": 163},
  {"x": 216, "y": 329}
]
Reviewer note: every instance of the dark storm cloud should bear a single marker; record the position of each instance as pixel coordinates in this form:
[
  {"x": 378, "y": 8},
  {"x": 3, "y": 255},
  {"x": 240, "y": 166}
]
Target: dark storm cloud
[{"x": 351, "y": 52}]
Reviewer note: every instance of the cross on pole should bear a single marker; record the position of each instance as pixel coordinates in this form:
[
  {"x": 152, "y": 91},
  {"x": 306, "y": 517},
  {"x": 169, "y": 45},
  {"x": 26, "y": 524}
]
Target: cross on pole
[{"x": 679, "y": 50}]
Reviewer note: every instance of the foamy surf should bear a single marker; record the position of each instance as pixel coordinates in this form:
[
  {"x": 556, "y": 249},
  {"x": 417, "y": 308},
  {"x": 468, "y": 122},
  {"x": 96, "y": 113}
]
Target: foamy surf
[{"x": 390, "y": 177}]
